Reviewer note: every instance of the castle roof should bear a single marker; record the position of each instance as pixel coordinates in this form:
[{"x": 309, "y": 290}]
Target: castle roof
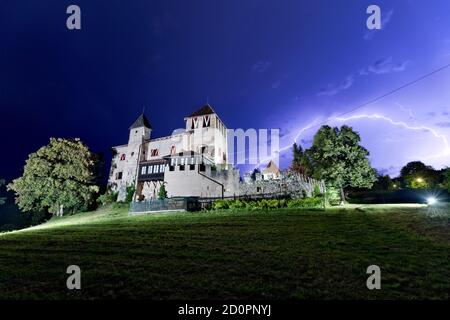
[
  {"x": 142, "y": 121},
  {"x": 206, "y": 109},
  {"x": 271, "y": 167}
]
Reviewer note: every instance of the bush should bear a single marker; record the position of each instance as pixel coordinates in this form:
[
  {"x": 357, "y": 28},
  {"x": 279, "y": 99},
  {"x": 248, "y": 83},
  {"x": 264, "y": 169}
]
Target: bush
[
  {"x": 315, "y": 202},
  {"x": 263, "y": 204},
  {"x": 317, "y": 192},
  {"x": 107, "y": 198},
  {"x": 236, "y": 204},
  {"x": 162, "y": 193},
  {"x": 130, "y": 193},
  {"x": 333, "y": 196},
  {"x": 221, "y": 204}
]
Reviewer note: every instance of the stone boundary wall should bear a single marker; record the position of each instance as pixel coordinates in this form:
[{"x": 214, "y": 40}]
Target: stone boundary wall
[{"x": 291, "y": 184}]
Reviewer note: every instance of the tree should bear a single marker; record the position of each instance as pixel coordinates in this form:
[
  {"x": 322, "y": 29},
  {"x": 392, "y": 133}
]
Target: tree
[
  {"x": 417, "y": 175},
  {"x": 296, "y": 165},
  {"x": 162, "y": 193},
  {"x": 337, "y": 157},
  {"x": 57, "y": 177},
  {"x": 2, "y": 199},
  {"x": 446, "y": 176},
  {"x": 384, "y": 182}
]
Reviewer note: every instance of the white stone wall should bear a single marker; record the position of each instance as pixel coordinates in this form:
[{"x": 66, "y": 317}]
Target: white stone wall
[{"x": 190, "y": 183}]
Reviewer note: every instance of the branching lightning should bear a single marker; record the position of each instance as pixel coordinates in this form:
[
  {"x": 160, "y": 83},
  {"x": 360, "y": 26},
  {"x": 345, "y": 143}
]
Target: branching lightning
[{"x": 443, "y": 138}]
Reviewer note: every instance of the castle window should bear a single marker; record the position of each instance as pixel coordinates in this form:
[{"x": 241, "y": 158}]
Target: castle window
[
  {"x": 122, "y": 157},
  {"x": 156, "y": 170},
  {"x": 119, "y": 176},
  {"x": 161, "y": 168},
  {"x": 206, "y": 121},
  {"x": 192, "y": 167},
  {"x": 154, "y": 152},
  {"x": 173, "y": 150},
  {"x": 195, "y": 123},
  {"x": 144, "y": 170},
  {"x": 202, "y": 168}
]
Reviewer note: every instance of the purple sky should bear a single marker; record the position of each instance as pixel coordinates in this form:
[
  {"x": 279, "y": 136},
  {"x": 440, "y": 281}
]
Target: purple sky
[{"x": 260, "y": 63}]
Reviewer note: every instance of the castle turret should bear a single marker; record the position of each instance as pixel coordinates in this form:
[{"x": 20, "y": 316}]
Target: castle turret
[
  {"x": 140, "y": 130},
  {"x": 127, "y": 159},
  {"x": 208, "y": 134}
]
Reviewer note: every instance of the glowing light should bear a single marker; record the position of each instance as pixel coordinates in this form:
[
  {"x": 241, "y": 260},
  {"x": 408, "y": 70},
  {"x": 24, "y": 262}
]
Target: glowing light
[
  {"x": 419, "y": 180},
  {"x": 431, "y": 201}
]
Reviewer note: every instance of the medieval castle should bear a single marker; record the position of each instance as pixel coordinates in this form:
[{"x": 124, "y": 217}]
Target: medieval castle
[{"x": 190, "y": 163}]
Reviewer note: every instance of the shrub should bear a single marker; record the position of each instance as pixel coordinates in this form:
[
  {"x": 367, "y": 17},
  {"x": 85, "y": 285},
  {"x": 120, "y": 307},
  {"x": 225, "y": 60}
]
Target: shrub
[
  {"x": 130, "y": 193},
  {"x": 220, "y": 204},
  {"x": 317, "y": 192},
  {"x": 107, "y": 198},
  {"x": 236, "y": 204},
  {"x": 315, "y": 202},
  {"x": 268, "y": 204},
  {"x": 162, "y": 193},
  {"x": 333, "y": 196}
]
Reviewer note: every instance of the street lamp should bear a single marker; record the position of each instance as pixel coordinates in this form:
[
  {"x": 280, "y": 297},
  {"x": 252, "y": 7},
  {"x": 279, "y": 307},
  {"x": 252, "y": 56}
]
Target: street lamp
[{"x": 431, "y": 201}]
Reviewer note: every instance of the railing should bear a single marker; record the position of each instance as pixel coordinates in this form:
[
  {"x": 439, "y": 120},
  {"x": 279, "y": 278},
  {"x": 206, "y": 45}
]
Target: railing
[{"x": 170, "y": 204}]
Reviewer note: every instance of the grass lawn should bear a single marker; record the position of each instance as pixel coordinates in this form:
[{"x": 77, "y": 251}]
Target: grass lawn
[{"x": 280, "y": 254}]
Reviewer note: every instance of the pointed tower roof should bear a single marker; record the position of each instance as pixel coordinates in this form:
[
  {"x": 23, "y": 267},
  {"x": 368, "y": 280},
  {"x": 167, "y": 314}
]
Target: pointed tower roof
[
  {"x": 272, "y": 167},
  {"x": 142, "y": 121},
  {"x": 205, "y": 110}
]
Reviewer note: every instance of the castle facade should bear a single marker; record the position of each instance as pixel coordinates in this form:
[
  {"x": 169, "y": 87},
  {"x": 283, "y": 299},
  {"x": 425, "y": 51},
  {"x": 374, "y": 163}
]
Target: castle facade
[{"x": 190, "y": 162}]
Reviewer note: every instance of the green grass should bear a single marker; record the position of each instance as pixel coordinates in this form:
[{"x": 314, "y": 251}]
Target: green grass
[{"x": 280, "y": 254}]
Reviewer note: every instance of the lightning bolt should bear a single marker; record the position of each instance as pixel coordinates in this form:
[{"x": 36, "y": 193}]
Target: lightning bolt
[
  {"x": 443, "y": 138},
  {"x": 437, "y": 135}
]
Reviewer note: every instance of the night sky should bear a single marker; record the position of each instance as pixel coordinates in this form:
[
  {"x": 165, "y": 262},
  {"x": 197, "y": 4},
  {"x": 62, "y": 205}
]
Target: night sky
[{"x": 260, "y": 64}]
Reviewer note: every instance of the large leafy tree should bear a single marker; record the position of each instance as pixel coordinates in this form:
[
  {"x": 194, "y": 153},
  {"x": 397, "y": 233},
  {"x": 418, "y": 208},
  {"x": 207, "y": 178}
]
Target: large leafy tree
[
  {"x": 60, "y": 176},
  {"x": 337, "y": 157},
  {"x": 2, "y": 199},
  {"x": 418, "y": 175}
]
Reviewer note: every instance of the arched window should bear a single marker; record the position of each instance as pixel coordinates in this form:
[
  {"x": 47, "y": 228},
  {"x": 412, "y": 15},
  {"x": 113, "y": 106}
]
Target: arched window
[
  {"x": 122, "y": 157},
  {"x": 173, "y": 150}
]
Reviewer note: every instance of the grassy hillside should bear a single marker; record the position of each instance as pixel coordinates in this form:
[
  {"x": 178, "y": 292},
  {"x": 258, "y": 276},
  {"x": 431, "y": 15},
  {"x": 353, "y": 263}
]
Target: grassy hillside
[{"x": 276, "y": 254}]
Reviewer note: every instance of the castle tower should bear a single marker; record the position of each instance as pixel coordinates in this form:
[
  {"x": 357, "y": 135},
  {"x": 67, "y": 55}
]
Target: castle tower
[
  {"x": 208, "y": 134},
  {"x": 140, "y": 131}
]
